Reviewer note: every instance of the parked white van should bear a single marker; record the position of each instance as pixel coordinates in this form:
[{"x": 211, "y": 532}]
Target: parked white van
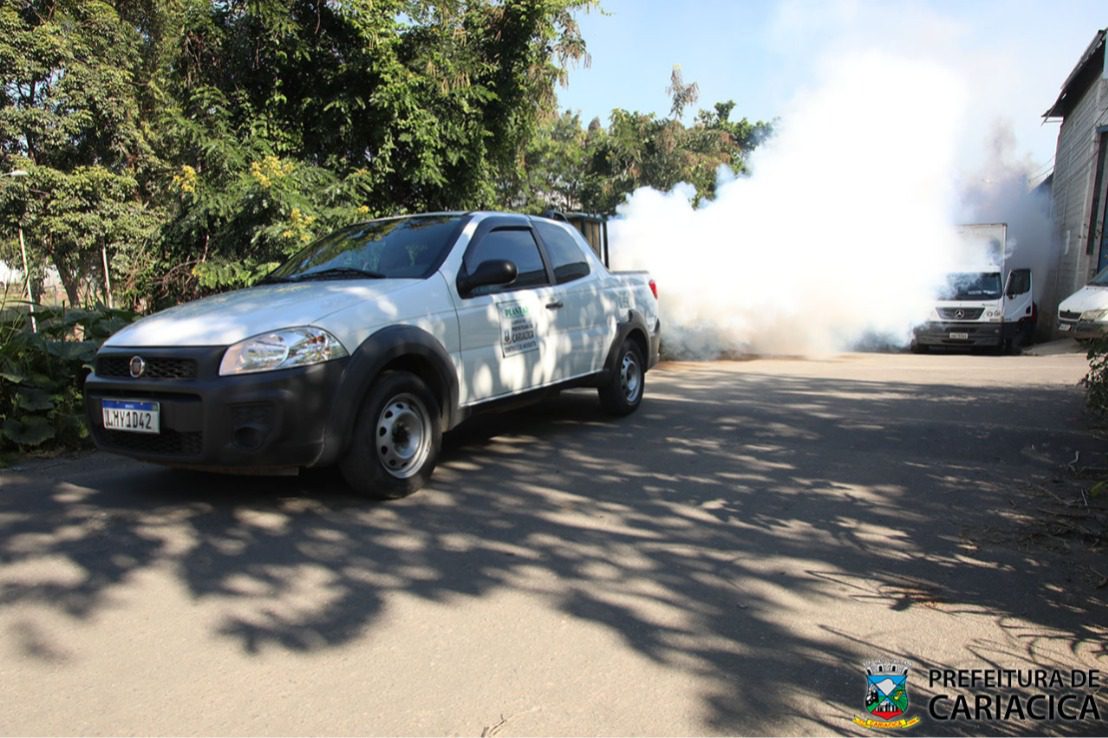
[{"x": 1084, "y": 314}]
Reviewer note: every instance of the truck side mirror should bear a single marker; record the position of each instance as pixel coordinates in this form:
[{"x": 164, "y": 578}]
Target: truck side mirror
[{"x": 488, "y": 273}]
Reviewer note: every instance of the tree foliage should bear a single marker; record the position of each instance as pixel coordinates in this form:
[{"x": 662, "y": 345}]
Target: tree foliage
[
  {"x": 1095, "y": 380},
  {"x": 593, "y": 168},
  {"x": 193, "y": 144},
  {"x": 295, "y": 116},
  {"x": 70, "y": 76}
]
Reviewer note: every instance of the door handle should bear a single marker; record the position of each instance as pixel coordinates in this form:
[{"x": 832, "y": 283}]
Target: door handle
[{"x": 555, "y": 305}]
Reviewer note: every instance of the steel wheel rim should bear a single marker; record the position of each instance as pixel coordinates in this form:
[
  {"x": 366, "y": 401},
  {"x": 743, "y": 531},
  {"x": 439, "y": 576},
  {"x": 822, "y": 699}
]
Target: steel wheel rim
[
  {"x": 630, "y": 377},
  {"x": 402, "y": 436}
]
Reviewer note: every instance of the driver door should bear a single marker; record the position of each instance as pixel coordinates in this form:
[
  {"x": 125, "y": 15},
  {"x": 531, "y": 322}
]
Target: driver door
[
  {"x": 1018, "y": 296},
  {"x": 503, "y": 328}
]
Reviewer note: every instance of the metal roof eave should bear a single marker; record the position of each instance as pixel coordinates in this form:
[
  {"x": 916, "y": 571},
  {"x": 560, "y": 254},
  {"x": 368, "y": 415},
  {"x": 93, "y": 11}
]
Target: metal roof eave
[{"x": 1062, "y": 104}]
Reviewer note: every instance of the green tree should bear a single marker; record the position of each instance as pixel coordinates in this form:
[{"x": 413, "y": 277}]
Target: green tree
[
  {"x": 69, "y": 116},
  {"x": 714, "y": 140},
  {"x": 683, "y": 95},
  {"x": 293, "y": 116},
  {"x": 642, "y": 150},
  {"x": 554, "y": 172}
]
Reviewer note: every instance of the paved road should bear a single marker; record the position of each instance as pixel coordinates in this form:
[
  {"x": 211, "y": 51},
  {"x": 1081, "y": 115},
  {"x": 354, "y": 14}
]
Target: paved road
[{"x": 723, "y": 561}]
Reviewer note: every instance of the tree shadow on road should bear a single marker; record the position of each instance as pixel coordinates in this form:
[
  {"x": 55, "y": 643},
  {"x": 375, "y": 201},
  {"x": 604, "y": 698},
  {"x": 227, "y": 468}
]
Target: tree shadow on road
[{"x": 704, "y": 531}]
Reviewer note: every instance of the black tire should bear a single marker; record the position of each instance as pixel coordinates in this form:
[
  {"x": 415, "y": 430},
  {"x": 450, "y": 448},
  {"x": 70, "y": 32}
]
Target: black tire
[
  {"x": 1013, "y": 345},
  {"x": 1027, "y": 333},
  {"x": 396, "y": 440},
  {"x": 623, "y": 391},
  {"x": 919, "y": 348}
]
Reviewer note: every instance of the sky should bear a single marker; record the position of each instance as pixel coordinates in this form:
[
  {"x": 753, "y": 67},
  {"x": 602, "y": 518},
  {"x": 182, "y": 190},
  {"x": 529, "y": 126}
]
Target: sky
[{"x": 1011, "y": 56}]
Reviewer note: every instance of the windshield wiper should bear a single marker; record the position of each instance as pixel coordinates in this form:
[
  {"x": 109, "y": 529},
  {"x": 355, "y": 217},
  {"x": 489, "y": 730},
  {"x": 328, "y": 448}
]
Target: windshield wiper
[{"x": 336, "y": 273}]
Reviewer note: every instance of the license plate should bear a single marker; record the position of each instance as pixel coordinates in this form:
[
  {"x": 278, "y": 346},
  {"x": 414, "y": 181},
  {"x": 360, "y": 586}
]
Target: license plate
[
  {"x": 1063, "y": 327},
  {"x": 959, "y": 336},
  {"x": 133, "y": 416}
]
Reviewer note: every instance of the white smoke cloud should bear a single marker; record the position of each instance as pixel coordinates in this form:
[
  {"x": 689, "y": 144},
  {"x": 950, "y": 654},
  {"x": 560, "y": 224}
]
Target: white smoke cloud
[
  {"x": 844, "y": 229},
  {"x": 1000, "y": 193}
]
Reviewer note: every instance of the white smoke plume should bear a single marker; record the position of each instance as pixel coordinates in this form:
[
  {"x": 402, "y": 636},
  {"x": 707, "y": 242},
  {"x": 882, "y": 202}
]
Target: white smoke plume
[
  {"x": 1001, "y": 194},
  {"x": 843, "y": 230}
]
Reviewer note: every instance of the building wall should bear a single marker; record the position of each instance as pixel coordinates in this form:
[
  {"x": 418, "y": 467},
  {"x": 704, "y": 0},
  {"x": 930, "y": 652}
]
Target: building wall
[{"x": 1074, "y": 177}]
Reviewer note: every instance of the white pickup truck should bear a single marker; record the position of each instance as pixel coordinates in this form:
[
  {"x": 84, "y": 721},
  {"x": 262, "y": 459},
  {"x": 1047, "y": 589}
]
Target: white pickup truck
[{"x": 365, "y": 347}]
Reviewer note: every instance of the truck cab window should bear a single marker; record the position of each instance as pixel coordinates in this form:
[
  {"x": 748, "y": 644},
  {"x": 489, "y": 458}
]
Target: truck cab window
[
  {"x": 1019, "y": 282},
  {"x": 516, "y": 245},
  {"x": 565, "y": 253}
]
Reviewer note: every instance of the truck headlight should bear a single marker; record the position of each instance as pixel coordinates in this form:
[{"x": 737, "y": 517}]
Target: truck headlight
[
  {"x": 280, "y": 350},
  {"x": 993, "y": 315},
  {"x": 1096, "y": 316}
]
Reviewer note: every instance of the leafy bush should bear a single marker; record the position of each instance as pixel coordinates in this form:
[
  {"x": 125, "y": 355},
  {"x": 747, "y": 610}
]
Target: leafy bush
[
  {"x": 231, "y": 275},
  {"x": 1096, "y": 381},
  {"x": 42, "y": 374}
]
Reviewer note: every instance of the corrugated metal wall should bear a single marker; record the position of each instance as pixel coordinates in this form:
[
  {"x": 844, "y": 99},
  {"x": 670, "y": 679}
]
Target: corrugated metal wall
[{"x": 1074, "y": 175}]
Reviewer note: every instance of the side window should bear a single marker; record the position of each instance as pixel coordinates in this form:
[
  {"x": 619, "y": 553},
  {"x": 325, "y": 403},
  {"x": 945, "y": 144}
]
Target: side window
[
  {"x": 518, "y": 246},
  {"x": 1019, "y": 281},
  {"x": 565, "y": 253}
]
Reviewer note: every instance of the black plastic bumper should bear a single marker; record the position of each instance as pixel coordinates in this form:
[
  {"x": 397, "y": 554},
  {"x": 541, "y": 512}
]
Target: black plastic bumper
[{"x": 268, "y": 419}]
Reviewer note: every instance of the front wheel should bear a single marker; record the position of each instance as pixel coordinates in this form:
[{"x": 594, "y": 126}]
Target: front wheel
[
  {"x": 622, "y": 393},
  {"x": 396, "y": 438}
]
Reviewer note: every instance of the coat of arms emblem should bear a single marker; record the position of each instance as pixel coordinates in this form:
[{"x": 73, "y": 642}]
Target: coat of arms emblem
[
  {"x": 886, "y": 696},
  {"x": 886, "y": 689}
]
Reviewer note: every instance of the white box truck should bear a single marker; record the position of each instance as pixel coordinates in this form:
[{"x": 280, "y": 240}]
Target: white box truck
[{"x": 985, "y": 302}]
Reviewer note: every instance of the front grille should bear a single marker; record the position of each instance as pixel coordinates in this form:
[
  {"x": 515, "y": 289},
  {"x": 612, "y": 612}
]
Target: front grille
[
  {"x": 1068, "y": 315},
  {"x": 167, "y": 443},
  {"x": 157, "y": 367},
  {"x": 967, "y": 313}
]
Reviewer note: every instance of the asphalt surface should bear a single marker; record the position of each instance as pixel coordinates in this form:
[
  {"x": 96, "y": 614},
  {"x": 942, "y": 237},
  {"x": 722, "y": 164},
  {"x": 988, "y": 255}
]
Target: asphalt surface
[{"x": 722, "y": 562}]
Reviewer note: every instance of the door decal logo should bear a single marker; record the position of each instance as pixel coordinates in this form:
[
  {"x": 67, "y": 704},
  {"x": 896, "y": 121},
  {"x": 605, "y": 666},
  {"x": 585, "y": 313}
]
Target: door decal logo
[{"x": 517, "y": 329}]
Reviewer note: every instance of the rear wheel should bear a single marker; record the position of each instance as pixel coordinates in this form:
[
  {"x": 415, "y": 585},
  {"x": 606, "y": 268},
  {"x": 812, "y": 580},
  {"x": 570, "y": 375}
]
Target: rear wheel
[
  {"x": 396, "y": 438},
  {"x": 622, "y": 393}
]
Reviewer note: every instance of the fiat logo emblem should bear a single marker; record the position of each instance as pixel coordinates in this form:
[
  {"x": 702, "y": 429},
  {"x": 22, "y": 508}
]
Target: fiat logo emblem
[
  {"x": 959, "y": 314},
  {"x": 138, "y": 366}
]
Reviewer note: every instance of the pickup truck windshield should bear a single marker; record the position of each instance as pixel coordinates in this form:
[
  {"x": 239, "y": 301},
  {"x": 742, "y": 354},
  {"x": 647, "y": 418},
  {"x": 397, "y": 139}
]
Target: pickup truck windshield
[
  {"x": 397, "y": 248},
  {"x": 972, "y": 286}
]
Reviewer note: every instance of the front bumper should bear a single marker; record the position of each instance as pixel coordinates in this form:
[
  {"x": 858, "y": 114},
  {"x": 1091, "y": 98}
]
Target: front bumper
[
  {"x": 1083, "y": 330},
  {"x": 964, "y": 335},
  {"x": 267, "y": 419}
]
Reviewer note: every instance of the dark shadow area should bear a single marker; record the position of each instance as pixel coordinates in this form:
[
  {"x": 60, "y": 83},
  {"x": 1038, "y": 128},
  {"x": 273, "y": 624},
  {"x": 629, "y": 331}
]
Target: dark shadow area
[{"x": 790, "y": 522}]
